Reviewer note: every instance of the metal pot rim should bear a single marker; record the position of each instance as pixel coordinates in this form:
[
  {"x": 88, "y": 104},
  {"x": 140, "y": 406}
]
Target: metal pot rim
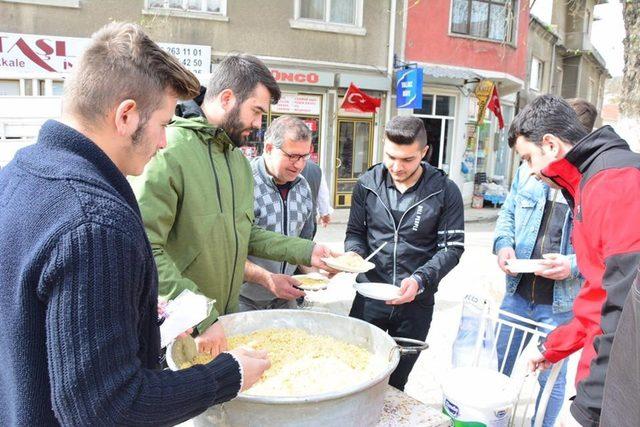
[{"x": 382, "y": 376}]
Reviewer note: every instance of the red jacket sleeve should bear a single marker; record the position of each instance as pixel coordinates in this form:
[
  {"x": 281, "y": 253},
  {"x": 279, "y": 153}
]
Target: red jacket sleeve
[{"x": 608, "y": 248}]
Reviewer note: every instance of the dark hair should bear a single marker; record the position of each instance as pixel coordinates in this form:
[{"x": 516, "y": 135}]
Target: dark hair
[
  {"x": 547, "y": 114},
  {"x": 405, "y": 130},
  {"x": 586, "y": 111},
  {"x": 122, "y": 62},
  {"x": 242, "y": 73}
]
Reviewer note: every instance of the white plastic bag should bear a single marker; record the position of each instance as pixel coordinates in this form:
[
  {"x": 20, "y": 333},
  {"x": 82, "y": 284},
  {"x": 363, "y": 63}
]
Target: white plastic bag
[
  {"x": 475, "y": 341},
  {"x": 185, "y": 311}
]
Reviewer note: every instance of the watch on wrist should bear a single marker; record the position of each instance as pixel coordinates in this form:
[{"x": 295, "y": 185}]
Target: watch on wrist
[{"x": 421, "y": 280}]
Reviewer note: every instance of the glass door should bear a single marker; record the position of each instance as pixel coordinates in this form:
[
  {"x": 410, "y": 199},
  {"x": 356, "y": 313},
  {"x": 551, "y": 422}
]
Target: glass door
[{"x": 354, "y": 152}]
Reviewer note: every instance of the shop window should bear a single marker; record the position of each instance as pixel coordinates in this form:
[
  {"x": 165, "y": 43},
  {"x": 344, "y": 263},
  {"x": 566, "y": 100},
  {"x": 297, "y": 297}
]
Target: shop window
[
  {"x": 354, "y": 152},
  {"x": 329, "y": 15},
  {"x": 483, "y": 147},
  {"x": 208, "y": 9},
  {"x": 487, "y": 19},
  {"x": 502, "y": 150},
  {"x": 306, "y": 107},
  {"x": 445, "y": 105},
  {"x": 28, "y": 87},
  {"x": 537, "y": 73},
  {"x": 58, "y": 88},
  {"x": 427, "y": 106},
  {"x": 9, "y": 87},
  {"x": 437, "y": 114}
]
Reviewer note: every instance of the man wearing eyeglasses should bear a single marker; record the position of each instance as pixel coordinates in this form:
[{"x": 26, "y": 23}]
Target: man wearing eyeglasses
[{"x": 282, "y": 203}]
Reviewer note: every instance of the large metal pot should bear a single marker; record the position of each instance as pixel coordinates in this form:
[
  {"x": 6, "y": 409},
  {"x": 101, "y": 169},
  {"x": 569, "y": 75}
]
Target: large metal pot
[{"x": 359, "y": 405}]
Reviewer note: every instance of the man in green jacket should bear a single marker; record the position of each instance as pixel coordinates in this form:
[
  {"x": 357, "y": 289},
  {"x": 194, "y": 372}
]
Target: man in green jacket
[{"x": 196, "y": 197}]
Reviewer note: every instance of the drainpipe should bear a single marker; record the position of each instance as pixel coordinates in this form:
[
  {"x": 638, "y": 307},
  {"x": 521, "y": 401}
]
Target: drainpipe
[
  {"x": 392, "y": 42},
  {"x": 552, "y": 71}
]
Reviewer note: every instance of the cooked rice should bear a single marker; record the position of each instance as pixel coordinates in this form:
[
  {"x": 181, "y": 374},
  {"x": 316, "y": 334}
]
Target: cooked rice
[{"x": 305, "y": 364}]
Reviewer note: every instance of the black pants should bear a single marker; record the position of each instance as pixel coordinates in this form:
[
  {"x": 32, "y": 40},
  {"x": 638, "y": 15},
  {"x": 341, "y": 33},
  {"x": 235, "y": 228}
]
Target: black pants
[{"x": 411, "y": 320}]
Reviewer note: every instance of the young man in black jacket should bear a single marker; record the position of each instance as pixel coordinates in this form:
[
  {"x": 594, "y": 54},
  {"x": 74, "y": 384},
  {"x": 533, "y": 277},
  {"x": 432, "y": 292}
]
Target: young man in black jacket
[{"x": 418, "y": 211}]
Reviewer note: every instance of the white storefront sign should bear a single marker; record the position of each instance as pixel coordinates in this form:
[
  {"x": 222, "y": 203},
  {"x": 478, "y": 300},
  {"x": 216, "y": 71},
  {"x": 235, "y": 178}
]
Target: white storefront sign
[
  {"x": 291, "y": 103},
  {"x": 302, "y": 77},
  {"x": 29, "y": 53}
]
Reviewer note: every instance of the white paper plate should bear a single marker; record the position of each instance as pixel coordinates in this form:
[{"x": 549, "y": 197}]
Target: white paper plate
[
  {"x": 379, "y": 291},
  {"x": 525, "y": 265},
  {"x": 366, "y": 266},
  {"x": 314, "y": 287}
]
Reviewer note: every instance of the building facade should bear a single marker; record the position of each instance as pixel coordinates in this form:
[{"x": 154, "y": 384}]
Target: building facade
[
  {"x": 561, "y": 58},
  {"x": 314, "y": 48},
  {"x": 459, "y": 43}
]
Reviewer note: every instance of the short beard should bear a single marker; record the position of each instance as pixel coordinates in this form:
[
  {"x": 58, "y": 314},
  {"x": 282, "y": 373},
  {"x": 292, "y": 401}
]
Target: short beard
[
  {"x": 412, "y": 173},
  {"x": 233, "y": 126},
  {"x": 136, "y": 137}
]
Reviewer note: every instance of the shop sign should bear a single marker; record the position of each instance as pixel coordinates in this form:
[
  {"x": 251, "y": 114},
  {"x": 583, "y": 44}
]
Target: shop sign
[
  {"x": 302, "y": 77},
  {"x": 292, "y": 103},
  {"x": 29, "y": 53},
  {"x": 409, "y": 88},
  {"x": 365, "y": 81}
]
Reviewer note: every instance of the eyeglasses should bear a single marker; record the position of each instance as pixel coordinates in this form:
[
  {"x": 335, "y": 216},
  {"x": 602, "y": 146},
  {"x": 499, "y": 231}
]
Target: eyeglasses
[{"x": 295, "y": 158}]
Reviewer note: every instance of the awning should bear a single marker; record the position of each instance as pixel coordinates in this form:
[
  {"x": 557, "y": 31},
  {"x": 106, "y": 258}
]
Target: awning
[
  {"x": 439, "y": 72},
  {"x": 461, "y": 76}
]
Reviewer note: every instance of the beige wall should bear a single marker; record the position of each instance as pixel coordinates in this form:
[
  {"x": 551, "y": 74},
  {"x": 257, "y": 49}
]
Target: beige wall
[
  {"x": 541, "y": 46},
  {"x": 258, "y": 26},
  {"x": 576, "y": 27}
]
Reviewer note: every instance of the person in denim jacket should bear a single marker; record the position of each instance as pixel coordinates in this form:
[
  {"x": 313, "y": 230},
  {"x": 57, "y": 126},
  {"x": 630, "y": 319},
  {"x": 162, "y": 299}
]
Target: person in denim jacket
[{"x": 535, "y": 222}]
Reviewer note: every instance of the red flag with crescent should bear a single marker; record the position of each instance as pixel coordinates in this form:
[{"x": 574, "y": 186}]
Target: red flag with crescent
[
  {"x": 494, "y": 106},
  {"x": 357, "y": 100}
]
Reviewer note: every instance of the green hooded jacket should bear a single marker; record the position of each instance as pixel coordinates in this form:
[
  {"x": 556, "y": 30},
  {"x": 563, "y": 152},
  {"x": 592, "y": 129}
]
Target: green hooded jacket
[{"x": 196, "y": 199}]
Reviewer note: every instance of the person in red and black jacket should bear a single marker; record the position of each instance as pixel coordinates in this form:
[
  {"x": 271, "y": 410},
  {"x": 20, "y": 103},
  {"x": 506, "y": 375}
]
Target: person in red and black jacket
[{"x": 600, "y": 178}]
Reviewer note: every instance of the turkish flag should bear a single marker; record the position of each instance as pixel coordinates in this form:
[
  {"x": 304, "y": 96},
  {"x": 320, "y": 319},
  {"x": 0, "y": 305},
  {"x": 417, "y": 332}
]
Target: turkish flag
[
  {"x": 357, "y": 100},
  {"x": 494, "y": 106}
]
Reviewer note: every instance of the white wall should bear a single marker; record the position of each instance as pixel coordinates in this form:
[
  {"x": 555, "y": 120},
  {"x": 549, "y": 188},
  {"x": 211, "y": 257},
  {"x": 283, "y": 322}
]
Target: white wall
[{"x": 20, "y": 121}]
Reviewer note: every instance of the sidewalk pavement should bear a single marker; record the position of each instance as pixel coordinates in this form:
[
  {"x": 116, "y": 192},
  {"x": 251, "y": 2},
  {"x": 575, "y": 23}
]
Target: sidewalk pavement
[{"x": 341, "y": 216}]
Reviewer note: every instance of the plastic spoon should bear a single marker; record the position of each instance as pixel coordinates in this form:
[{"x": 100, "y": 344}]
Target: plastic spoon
[{"x": 375, "y": 252}]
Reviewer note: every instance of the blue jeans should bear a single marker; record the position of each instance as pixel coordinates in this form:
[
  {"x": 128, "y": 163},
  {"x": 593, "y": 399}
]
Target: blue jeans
[{"x": 541, "y": 313}]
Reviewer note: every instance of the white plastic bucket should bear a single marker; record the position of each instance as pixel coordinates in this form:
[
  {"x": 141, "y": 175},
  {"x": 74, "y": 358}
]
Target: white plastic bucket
[{"x": 478, "y": 397}]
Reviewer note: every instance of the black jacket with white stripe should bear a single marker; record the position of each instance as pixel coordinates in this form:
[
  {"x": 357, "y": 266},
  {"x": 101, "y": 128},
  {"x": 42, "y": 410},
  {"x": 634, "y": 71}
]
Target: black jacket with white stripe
[{"x": 428, "y": 240}]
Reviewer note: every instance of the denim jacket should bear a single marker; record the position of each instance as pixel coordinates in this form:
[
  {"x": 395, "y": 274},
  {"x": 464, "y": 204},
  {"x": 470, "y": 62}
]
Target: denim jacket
[{"x": 518, "y": 225}]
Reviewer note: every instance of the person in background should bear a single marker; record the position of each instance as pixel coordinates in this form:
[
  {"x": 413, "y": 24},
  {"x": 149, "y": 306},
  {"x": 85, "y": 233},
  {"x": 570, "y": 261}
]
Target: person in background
[
  {"x": 197, "y": 197},
  {"x": 535, "y": 222},
  {"x": 325, "y": 210},
  {"x": 322, "y": 209},
  {"x": 283, "y": 203},
  {"x": 78, "y": 283},
  {"x": 587, "y": 112},
  {"x": 418, "y": 211}
]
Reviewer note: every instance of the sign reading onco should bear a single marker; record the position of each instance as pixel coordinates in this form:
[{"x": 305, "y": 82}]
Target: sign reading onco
[{"x": 303, "y": 77}]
